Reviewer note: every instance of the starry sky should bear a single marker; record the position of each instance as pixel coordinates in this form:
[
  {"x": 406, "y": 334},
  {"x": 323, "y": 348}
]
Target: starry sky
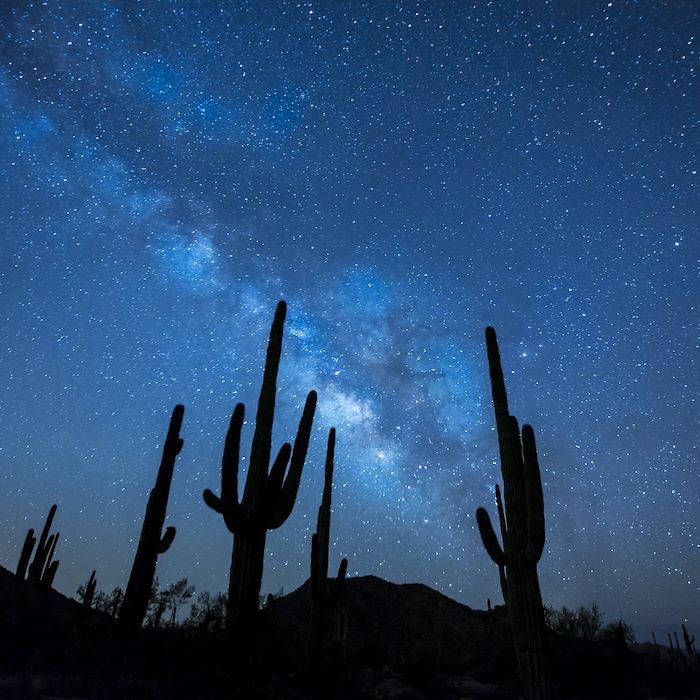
[{"x": 402, "y": 174}]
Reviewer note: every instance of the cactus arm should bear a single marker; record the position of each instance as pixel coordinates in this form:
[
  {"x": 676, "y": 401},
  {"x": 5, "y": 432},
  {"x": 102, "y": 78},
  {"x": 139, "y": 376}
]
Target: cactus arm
[
  {"x": 334, "y": 595},
  {"x": 488, "y": 537},
  {"x": 36, "y": 568},
  {"x": 41, "y": 560},
  {"x": 514, "y": 493},
  {"x": 231, "y": 457},
  {"x": 25, "y": 555},
  {"x": 52, "y": 550},
  {"x": 267, "y": 515},
  {"x": 47, "y": 526},
  {"x": 50, "y": 573},
  {"x": 166, "y": 540},
  {"x": 343, "y": 570},
  {"x": 533, "y": 497},
  {"x": 90, "y": 590},
  {"x": 689, "y": 641},
  {"x": 288, "y": 494},
  {"x": 234, "y": 517},
  {"x": 228, "y": 504},
  {"x": 212, "y": 500}
]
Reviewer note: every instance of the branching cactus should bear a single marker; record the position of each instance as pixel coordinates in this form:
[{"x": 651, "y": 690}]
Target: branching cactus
[
  {"x": 152, "y": 542},
  {"x": 689, "y": 641},
  {"x": 523, "y": 533},
  {"x": 269, "y": 495},
  {"x": 325, "y": 594},
  {"x": 41, "y": 567}
]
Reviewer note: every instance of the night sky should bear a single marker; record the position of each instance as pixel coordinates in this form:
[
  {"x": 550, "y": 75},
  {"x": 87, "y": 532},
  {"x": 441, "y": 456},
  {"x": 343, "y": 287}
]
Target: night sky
[{"x": 402, "y": 174}]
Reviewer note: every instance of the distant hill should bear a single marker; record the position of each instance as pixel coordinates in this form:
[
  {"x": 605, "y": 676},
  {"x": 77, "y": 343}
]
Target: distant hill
[
  {"x": 399, "y": 624},
  {"x": 384, "y": 641}
]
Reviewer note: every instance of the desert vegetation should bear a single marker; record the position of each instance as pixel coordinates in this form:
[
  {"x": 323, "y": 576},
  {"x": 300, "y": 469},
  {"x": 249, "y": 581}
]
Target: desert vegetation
[{"x": 333, "y": 637}]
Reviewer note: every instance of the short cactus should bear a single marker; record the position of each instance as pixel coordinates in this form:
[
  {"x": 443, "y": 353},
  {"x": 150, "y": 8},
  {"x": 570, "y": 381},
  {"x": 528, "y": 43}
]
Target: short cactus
[
  {"x": 51, "y": 566},
  {"x": 324, "y": 593}
]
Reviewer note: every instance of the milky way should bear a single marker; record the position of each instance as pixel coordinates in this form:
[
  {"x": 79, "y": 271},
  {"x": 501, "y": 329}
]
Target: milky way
[{"x": 403, "y": 174}]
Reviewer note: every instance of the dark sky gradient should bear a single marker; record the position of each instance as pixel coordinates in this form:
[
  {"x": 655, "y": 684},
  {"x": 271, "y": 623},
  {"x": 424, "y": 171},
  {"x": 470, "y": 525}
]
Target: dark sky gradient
[{"x": 403, "y": 174}]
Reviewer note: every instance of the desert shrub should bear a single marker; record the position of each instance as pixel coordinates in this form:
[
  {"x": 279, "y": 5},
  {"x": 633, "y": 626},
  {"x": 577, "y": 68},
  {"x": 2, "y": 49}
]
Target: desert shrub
[{"x": 585, "y": 623}]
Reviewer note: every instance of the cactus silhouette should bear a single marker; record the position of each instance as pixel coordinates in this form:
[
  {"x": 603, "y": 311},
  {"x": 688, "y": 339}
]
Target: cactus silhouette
[
  {"x": 523, "y": 532},
  {"x": 151, "y": 543},
  {"x": 324, "y": 594},
  {"x": 42, "y": 569},
  {"x": 689, "y": 642},
  {"x": 90, "y": 590},
  {"x": 26, "y": 554},
  {"x": 268, "y": 497},
  {"x": 51, "y": 566}
]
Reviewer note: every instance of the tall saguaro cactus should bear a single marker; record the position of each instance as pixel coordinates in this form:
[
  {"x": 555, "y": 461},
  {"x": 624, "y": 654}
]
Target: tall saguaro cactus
[
  {"x": 151, "y": 543},
  {"x": 268, "y": 497},
  {"x": 324, "y": 594},
  {"x": 523, "y": 533}
]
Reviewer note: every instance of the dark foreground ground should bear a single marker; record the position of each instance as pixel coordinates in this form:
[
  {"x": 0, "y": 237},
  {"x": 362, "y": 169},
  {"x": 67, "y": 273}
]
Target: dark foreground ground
[{"x": 385, "y": 642}]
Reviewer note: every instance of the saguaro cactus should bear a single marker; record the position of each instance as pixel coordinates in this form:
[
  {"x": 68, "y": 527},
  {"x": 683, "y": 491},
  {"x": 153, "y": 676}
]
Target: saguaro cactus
[
  {"x": 268, "y": 497},
  {"x": 523, "y": 532},
  {"x": 324, "y": 593},
  {"x": 42, "y": 569},
  {"x": 151, "y": 543}
]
